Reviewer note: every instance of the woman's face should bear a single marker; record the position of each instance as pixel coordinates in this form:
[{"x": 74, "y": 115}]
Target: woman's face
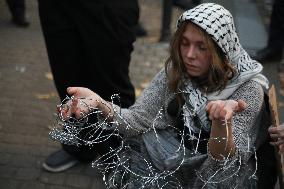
[{"x": 195, "y": 53}]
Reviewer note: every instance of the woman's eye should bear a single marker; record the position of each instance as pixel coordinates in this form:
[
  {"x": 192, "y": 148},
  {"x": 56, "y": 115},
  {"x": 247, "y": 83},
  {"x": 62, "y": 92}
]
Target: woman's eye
[
  {"x": 203, "y": 48},
  {"x": 184, "y": 43}
]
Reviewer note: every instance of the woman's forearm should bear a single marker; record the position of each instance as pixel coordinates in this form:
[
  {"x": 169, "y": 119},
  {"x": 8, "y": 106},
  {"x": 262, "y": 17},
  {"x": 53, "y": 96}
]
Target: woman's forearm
[{"x": 221, "y": 143}]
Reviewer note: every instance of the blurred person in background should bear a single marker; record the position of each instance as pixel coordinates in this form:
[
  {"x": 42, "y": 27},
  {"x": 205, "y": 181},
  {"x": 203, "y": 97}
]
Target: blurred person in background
[
  {"x": 18, "y": 12},
  {"x": 167, "y": 6},
  {"x": 273, "y": 51},
  {"x": 167, "y": 15},
  {"x": 84, "y": 39}
]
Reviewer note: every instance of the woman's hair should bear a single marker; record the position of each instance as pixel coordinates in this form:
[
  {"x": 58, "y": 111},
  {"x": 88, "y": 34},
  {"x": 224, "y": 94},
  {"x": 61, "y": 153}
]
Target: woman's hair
[{"x": 220, "y": 69}]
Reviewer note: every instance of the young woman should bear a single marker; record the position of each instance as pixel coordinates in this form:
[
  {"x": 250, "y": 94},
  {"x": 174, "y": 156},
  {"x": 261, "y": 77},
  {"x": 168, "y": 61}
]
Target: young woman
[{"x": 195, "y": 125}]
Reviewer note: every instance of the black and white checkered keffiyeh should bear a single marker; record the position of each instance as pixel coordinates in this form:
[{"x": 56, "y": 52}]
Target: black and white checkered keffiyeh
[{"x": 219, "y": 24}]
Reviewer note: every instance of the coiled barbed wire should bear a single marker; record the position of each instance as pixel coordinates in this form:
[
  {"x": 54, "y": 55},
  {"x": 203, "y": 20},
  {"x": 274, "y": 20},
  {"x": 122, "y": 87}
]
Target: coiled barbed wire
[{"x": 115, "y": 164}]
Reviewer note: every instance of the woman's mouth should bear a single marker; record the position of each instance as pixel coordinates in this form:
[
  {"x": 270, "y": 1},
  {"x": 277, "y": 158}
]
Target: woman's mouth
[{"x": 191, "y": 67}]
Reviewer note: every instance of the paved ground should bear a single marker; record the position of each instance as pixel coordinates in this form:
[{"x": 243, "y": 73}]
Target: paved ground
[{"x": 28, "y": 99}]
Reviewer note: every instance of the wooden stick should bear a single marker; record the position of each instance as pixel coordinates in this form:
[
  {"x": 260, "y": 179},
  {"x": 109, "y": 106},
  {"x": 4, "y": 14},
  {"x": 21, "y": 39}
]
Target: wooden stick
[{"x": 275, "y": 122}]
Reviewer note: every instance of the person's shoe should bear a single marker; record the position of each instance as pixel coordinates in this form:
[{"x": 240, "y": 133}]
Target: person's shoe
[
  {"x": 59, "y": 161},
  {"x": 20, "y": 22},
  {"x": 140, "y": 30},
  {"x": 268, "y": 54}
]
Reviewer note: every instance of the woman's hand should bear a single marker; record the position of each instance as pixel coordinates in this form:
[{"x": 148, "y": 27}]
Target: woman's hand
[
  {"x": 83, "y": 101},
  {"x": 221, "y": 110},
  {"x": 277, "y": 134}
]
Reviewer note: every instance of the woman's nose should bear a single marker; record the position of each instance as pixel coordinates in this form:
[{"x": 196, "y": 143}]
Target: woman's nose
[{"x": 191, "y": 52}]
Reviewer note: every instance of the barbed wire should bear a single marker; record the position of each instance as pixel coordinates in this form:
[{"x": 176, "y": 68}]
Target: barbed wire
[{"x": 128, "y": 165}]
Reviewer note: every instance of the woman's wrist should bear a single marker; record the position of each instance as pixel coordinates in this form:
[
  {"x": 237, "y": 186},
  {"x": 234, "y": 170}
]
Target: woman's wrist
[{"x": 221, "y": 148}]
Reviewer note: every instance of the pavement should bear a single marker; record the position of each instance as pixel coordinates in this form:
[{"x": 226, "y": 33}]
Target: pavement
[{"x": 28, "y": 96}]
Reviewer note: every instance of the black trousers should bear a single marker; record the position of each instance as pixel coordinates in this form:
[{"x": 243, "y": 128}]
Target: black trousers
[
  {"x": 276, "y": 27},
  {"x": 89, "y": 44}
]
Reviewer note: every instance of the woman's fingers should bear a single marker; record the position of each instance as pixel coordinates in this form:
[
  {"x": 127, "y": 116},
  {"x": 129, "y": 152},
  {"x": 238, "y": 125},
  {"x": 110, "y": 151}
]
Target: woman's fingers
[
  {"x": 79, "y": 92},
  {"x": 227, "y": 114},
  {"x": 278, "y": 129},
  {"x": 241, "y": 106},
  {"x": 65, "y": 113},
  {"x": 277, "y": 135},
  {"x": 276, "y": 132},
  {"x": 71, "y": 108},
  {"x": 72, "y": 91},
  {"x": 272, "y": 129},
  {"x": 74, "y": 105},
  {"x": 278, "y": 142},
  {"x": 78, "y": 113},
  {"x": 212, "y": 110},
  {"x": 224, "y": 109},
  {"x": 218, "y": 110}
]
